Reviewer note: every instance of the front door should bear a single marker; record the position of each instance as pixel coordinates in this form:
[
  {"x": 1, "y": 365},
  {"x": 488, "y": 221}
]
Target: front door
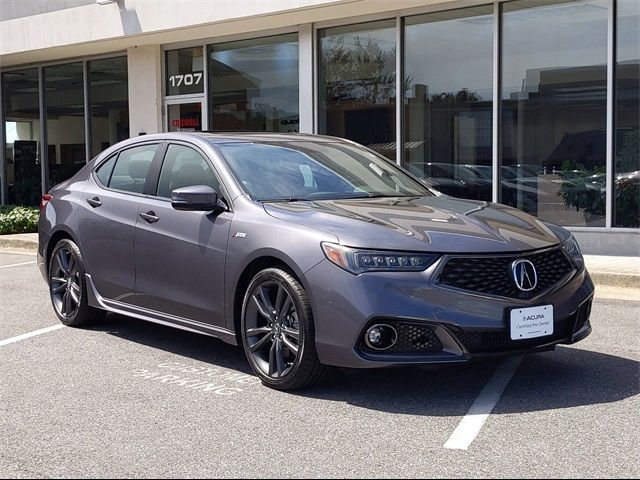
[
  {"x": 185, "y": 115},
  {"x": 180, "y": 255}
]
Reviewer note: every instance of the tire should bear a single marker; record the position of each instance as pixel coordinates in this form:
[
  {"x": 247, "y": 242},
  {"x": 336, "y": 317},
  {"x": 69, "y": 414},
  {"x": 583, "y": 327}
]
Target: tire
[
  {"x": 67, "y": 283},
  {"x": 288, "y": 324}
]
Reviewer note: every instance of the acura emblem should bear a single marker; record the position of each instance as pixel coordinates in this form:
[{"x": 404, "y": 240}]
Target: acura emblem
[{"x": 524, "y": 275}]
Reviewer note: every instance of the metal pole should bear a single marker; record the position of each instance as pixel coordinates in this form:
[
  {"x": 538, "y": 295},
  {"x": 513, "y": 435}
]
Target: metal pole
[
  {"x": 88, "y": 144},
  {"x": 44, "y": 149},
  {"x": 496, "y": 147},
  {"x": 611, "y": 81},
  {"x": 3, "y": 147},
  {"x": 399, "y": 91}
]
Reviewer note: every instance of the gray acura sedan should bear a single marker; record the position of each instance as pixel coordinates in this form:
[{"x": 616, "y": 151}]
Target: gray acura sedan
[{"x": 310, "y": 251}]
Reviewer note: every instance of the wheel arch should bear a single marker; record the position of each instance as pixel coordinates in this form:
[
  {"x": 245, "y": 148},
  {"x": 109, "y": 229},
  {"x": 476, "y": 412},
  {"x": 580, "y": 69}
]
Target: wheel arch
[
  {"x": 57, "y": 235},
  {"x": 267, "y": 259}
]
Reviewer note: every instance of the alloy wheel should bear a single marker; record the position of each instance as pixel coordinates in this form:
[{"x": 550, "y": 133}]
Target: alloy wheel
[
  {"x": 65, "y": 282},
  {"x": 272, "y": 329}
]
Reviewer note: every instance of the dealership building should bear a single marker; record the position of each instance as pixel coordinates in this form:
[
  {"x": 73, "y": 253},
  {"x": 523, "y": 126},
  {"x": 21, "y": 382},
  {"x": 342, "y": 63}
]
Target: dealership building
[{"x": 531, "y": 103}]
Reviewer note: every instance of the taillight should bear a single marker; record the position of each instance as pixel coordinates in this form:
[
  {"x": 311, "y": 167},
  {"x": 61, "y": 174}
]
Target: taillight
[{"x": 44, "y": 200}]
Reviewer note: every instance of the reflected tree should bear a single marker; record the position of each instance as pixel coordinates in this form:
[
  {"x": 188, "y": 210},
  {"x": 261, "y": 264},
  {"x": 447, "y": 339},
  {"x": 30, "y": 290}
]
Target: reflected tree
[
  {"x": 363, "y": 73},
  {"x": 462, "y": 96}
]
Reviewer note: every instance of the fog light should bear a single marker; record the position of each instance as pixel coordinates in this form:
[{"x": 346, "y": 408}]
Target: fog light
[
  {"x": 381, "y": 337},
  {"x": 375, "y": 336}
]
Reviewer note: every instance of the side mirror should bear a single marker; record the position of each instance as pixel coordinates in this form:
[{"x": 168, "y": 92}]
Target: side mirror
[{"x": 197, "y": 198}]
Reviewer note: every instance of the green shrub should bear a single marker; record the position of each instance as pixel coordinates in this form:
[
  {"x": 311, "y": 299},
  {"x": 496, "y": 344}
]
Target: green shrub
[{"x": 18, "y": 219}]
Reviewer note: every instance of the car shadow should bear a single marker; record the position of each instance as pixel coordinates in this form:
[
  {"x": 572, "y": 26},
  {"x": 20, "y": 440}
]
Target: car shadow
[
  {"x": 565, "y": 378},
  {"x": 185, "y": 344}
]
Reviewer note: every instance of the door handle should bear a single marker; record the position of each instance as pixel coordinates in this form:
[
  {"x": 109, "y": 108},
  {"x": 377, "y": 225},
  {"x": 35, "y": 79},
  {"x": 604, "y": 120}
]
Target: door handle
[
  {"x": 149, "y": 217},
  {"x": 94, "y": 202}
]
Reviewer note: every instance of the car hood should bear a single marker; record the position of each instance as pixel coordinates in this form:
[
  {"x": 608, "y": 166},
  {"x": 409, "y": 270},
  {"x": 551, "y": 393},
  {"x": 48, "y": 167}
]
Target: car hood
[{"x": 439, "y": 223}]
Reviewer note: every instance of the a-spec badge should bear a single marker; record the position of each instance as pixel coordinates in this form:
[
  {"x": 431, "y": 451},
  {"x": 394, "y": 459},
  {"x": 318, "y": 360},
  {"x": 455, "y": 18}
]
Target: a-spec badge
[{"x": 239, "y": 235}]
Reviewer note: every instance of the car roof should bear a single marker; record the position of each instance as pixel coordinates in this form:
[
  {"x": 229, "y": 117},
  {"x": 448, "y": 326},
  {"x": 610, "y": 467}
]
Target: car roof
[{"x": 242, "y": 137}]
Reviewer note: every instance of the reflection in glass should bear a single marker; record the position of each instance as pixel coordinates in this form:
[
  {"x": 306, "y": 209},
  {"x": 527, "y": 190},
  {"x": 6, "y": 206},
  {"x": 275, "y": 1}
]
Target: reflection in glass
[
  {"x": 253, "y": 85},
  {"x": 22, "y": 127},
  {"x": 554, "y": 80},
  {"x": 185, "y": 117},
  {"x": 185, "y": 71},
  {"x": 357, "y": 84},
  {"x": 64, "y": 101},
  {"x": 448, "y": 100},
  {"x": 627, "y": 165},
  {"x": 109, "y": 102}
]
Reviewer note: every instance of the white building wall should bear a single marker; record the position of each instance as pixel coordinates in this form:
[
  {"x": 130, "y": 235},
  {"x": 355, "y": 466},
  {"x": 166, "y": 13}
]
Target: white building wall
[
  {"x": 145, "y": 89},
  {"x": 97, "y": 29}
]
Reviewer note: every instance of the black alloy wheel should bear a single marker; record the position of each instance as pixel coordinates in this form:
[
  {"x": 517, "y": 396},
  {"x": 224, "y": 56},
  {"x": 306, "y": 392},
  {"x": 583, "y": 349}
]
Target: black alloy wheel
[
  {"x": 278, "y": 331},
  {"x": 67, "y": 286},
  {"x": 65, "y": 282}
]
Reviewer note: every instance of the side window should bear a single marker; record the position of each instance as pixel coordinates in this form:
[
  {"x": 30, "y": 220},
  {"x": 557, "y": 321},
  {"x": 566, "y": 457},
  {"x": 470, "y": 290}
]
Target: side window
[
  {"x": 184, "y": 167},
  {"x": 132, "y": 168},
  {"x": 104, "y": 171}
]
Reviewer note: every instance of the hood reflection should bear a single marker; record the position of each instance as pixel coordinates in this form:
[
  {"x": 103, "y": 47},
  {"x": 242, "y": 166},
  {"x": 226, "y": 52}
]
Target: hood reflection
[{"x": 439, "y": 223}]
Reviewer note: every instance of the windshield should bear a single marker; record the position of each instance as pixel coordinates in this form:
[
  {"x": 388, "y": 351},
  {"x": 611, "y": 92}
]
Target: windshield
[{"x": 290, "y": 171}]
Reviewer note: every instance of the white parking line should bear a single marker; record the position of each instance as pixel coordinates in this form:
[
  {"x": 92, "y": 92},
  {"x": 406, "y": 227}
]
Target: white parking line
[
  {"x": 17, "y": 264},
  {"x": 29, "y": 335},
  {"x": 472, "y": 423}
]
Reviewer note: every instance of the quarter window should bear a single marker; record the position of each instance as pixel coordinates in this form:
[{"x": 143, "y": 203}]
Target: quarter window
[
  {"x": 131, "y": 169},
  {"x": 104, "y": 171},
  {"x": 184, "y": 167}
]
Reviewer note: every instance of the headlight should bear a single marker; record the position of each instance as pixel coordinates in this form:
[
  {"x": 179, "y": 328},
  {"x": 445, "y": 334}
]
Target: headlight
[
  {"x": 359, "y": 261},
  {"x": 571, "y": 246}
]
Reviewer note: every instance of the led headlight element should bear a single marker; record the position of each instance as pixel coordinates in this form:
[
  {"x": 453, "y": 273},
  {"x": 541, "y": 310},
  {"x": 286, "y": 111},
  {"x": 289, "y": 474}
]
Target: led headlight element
[
  {"x": 359, "y": 261},
  {"x": 571, "y": 247}
]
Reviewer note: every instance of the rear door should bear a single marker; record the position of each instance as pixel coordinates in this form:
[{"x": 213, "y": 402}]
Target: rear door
[
  {"x": 107, "y": 216},
  {"x": 180, "y": 255}
]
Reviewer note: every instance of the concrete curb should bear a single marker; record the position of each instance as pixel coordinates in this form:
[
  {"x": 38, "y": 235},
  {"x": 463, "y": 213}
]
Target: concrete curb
[
  {"x": 23, "y": 244},
  {"x": 615, "y": 279},
  {"x": 28, "y": 243}
]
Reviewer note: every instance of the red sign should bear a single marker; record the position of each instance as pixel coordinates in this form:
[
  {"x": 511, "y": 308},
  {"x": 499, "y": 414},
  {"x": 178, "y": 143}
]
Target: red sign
[{"x": 186, "y": 123}]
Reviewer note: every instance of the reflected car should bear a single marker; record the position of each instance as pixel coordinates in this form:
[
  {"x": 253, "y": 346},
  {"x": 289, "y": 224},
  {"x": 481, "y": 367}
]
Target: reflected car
[
  {"x": 482, "y": 171},
  {"x": 310, "y": 252},
  {"x": 455, "y": 180}
]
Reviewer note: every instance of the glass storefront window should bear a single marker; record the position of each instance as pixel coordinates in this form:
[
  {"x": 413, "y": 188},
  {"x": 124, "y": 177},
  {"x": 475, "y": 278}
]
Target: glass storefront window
[
  {"x": 554, "y": 99},
  {"x": 22, "y": 130},
  {"x": 448, "y": 100},
  {"x": 185, "y": 117},
  {"x": 109, "y": 102},
  {"x": 357, "y": 84},
  {"x": 627, "y": 164},
  {"x": 64, "y": 103},
  {"x": 253, "y": 85},
  {"x": 185, "y": 71}
]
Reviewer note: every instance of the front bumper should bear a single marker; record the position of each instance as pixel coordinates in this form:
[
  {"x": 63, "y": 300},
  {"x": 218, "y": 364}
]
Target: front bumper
[{"x": 467, "y": 325}]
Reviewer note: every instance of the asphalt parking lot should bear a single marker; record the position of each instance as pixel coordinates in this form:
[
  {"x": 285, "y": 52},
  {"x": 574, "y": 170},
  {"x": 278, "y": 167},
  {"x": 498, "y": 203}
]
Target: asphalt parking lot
[{"x": 131, "y": 399}]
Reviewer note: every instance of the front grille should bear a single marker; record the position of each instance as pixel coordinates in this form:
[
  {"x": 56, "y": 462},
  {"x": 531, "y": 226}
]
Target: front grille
[
  {"x": 492, "y": 275},
  {"x": 496, "y": 342},
  {"x": 413, "y": 339}
]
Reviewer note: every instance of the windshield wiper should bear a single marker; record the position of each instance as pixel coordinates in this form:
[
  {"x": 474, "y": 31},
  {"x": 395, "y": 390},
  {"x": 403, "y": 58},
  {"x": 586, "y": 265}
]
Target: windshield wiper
[
  {"x": 387, "y": 195},
  {"x": 286, "y": 200}
]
